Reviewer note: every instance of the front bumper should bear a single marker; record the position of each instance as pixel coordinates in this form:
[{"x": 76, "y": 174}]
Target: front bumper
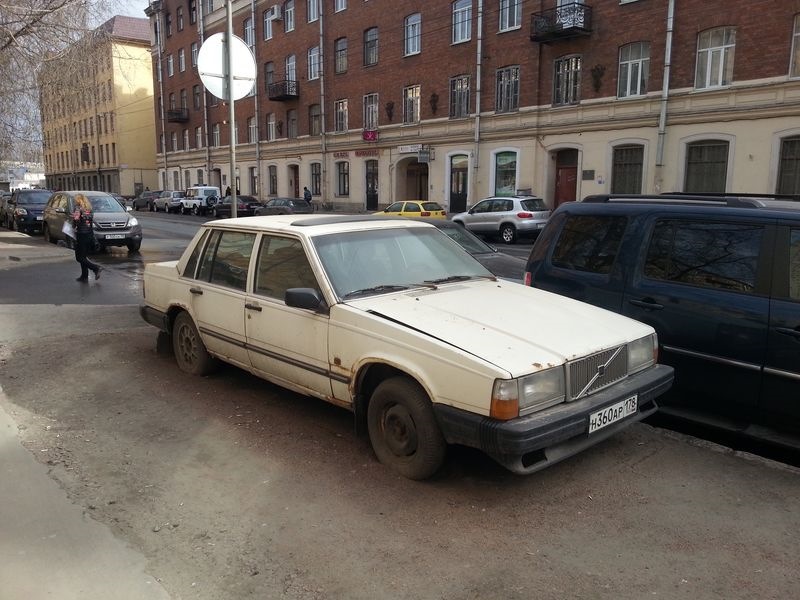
[
  {"x": 111, "y": 237},
  {"x": 29, "y": 222},
  {"x": 533, "y": 442}
]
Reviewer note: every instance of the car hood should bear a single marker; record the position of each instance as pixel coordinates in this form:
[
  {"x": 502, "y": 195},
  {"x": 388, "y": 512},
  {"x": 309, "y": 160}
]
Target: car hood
[
  {"x": 110, "y": 217},
  {"x": 516, "y": 328}
]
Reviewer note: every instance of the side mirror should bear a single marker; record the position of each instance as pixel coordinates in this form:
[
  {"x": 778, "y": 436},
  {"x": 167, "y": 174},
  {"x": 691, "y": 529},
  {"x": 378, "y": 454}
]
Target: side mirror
[
  {"x": 62, "y": 211},
  {"x": 307, "y": 298},
  {"x": 128, "y": 208}
]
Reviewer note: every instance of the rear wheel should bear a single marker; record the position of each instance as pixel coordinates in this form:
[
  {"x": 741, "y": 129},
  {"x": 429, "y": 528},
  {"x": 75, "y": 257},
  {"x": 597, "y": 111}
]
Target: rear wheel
[
  {"x": 47, "y": 236},
  {"x": 196, "y": 210},
  {"x": 508, "y": 233},
  {"x": 190, "y": 352},
  {"x": 134, "y": 245},
  {"x": 403, "y": 429}
]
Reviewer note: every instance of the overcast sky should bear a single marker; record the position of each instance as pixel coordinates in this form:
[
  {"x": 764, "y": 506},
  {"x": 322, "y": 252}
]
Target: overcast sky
[{"x": 132, "y": 8}]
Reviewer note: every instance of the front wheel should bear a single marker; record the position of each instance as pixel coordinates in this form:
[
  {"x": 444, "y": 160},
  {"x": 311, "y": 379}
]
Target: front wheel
[
  {"x": 190, "y": 351},
  {"x": 134, "y": 245},
  {"x": 196, "y": 210},
  {"x": 403, "y": 429},
  {"x": 508, "y": 233}
]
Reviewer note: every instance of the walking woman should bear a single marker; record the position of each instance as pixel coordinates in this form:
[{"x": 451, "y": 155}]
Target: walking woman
[{"x": 84, "y": 237}]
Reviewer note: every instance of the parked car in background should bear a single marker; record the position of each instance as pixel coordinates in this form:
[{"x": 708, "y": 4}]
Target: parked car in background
[
  {"x": 24, "y": 209},
  {"x": 122, "y": 202},
  {"x": 719, "y": 280},
  {"x": 285, "y": 206},
  {"x": 392, "y": 320},
  {"x": 414, "y": 208},
  {"x": 245, "y": 207},
  {"x": 199, "y": 199},
  {"x": 4, "y": 198},
  {"x": 169, "y": 201},
  {"x": 509, "y": 217},
  {"x": 144, "y": 201},
  {"x": 113, "y": 225}
]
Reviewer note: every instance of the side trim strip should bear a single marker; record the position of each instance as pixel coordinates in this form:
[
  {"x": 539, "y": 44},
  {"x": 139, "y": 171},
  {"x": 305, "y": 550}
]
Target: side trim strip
[
  {"x": 779, "y": 373},
  {"x": 712, "y": 358}
]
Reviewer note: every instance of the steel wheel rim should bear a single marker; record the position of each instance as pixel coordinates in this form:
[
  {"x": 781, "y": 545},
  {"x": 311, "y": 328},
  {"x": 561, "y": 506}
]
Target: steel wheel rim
[{"x": 399, "y": 431}]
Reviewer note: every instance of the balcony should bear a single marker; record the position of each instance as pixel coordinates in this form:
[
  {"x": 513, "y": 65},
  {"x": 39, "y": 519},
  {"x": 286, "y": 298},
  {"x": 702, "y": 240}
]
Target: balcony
[
  {"x": 561, "y": 23},
  {"x": 177, "y": 115},
  {"x": 283, "y": 90}
]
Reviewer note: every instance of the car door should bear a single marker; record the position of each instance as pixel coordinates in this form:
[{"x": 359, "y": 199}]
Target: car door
[
  {"x": 501, "y": 209},
  {"x": 780, "y": 396},
  {"x": 218, "y": 293},
  {"x": 287, "y": 345},
  {"x": 477, "y": 219},
  {"x": 701, "y": 283}
]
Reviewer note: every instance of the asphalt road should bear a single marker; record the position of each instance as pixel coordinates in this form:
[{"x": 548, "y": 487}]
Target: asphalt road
[{"x": 229, "y": 487}]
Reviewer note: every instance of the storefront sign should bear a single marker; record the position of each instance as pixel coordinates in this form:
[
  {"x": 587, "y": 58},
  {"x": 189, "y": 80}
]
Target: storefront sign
[
  {"x": 410, "y": 149},
  {"x": 369, "y": 135},
  {"x": 341, "y": 154},
  {"x": 374, "y": 152}
]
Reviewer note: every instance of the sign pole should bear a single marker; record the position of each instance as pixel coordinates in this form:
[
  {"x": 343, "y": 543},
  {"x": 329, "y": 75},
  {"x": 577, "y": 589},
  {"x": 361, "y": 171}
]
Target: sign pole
[{"x": 228, "y": 65}]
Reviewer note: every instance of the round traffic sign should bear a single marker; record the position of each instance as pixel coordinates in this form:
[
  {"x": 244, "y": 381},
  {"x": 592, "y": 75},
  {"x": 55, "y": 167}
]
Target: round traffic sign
[{"x": 211, "y": 67}]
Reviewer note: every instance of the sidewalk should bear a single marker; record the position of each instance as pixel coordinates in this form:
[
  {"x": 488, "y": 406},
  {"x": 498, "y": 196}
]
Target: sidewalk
[{"x": 16, "y": 247}]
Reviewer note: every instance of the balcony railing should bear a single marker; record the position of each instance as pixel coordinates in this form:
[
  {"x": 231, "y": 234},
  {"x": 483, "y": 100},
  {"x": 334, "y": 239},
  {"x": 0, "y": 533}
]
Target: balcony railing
[
  {"x": 177, "y": 115},
  {"x": 562, "y": 22},
  {"x": 283, "y": 90}
]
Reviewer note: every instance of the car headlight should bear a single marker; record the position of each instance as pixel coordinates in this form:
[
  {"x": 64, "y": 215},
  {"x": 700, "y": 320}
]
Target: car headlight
[
  {"x": 514, "y": 397},
  {"x": 20, "y": 212},
  {"x": 133, "y": 222},
  {"x": 642, "y": 353}
]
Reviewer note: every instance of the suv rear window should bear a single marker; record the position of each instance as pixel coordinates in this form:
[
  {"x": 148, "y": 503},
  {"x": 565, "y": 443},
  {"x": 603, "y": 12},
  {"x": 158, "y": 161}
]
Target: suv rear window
[
  {"x": 589, "y": 243},
  {"x": 534, "y": 204},
  {"x": 715, "y": 255}
]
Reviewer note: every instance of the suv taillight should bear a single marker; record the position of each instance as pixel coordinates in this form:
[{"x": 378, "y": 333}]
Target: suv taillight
[
  {"x": 528, "y": 279},
  {"x": 524, "y": 215}
]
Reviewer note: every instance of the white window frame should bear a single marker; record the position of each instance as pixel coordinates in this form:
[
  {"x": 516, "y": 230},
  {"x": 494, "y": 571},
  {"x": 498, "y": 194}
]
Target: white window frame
[
  {"x": 195, "y": 50},
  {"x": 634, "y": 73},
  {"x": 567, "y": 82},
  {"x": 291, "y": 68},
  {"x": 249, "y": 33},
  {"x": 170, "y": 66},
  {"x": 411, "y": 96},
  {"x": 794, "y": 62},
  {"x": 215, "y": 135},
  {"x": 313, "y": 63},
  {"x": 312, "y": 10},
  {"x": 252, "y": 130},
  {"x": 510, "y": 15},
  {"x": 715, "y": 63},
  {"x": 173, "y": 139},
  {"x": 507, "y": 89},
  {"x": 339, "y": 5},
  {"x": 462, "y": 21},
  {"x": 271, "y": 135},
  {"x": 268, "y": 24},
  {"x": 186, "y": 145},
  {"x": 340, "y": 111},
  {"x": 340, "y": 55},
  {"x": 459, "y": 97},
  {"x": 181, "y": 60},
  {"x": 288, "y": 16},
  {"x": 371, "y": 112},
  {"x": 412, "y": 34},
  {"x": 198, "y": 137}
]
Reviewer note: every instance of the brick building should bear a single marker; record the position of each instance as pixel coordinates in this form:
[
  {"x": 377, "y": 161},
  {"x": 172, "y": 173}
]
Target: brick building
[
  {"x": 96, "y": 105},
  {"x": 370, "y": 101}
]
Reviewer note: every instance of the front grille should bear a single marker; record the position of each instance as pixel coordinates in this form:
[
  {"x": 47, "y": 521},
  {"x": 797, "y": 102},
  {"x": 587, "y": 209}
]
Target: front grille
[
  {"x": 592, "y": 373},
  {"x": 112, "y": 224}
]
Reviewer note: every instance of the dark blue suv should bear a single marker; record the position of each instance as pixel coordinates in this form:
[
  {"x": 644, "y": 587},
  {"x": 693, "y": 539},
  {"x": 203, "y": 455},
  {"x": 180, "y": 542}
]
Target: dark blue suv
[
  {"x": 719, "y": 280},
  {"x": 25, "y": 208}
]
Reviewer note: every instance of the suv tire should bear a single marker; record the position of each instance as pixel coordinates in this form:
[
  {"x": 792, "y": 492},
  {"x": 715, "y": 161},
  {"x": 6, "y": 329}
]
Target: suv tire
[{"x": 508, "y": 233}]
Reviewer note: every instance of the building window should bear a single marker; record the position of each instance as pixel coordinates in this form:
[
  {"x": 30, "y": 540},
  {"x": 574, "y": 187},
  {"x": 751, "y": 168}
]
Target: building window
[
  {"x": 269, "y": 75},
  {"x": 340, "y": 54},
  {"x": 567, "y": 81},
  {"x": 198, "y": 137},
  {"x": 789, "y": 166},
  {"x": 291, "y": 124},
  {"x": 288, "y": 16},
  {"x": 268, "y": 24},
  {"x": 181, "y": 60},
  {"x": 316, "y": 179},
  {"x": 459, "y": 97},
  {"x": 313, "y": 63},
  {"x": 196, "y": 97},
  {"x": 413, "y": 34},
  {"x": 209, "y": 6},
  {"x": 510, "y": 14},
  {"x": 187, "y": 175},
  {"x": 215, "y": 140},
  {"x": 168, "y": 24},
  {"x": 371, "y": 47},
  {"x": 249, "y": 33},
  {"x": 291, "y": 68},
  {"x": 184, "y": 99},
  {"x": 339, "y": 5},
  {"x": 195, "y": 49},
  {"x": 199, "y": 176},
  {"x": 715, "y": 49},
  {"x": 794, "y": 66},
  {"x": 173, "y": 140},
  {"x": 371, "y": 112},
  {"x": 270, "y": 127},
  {"x": 179, "y": 15},
  {"x": 186, "y": 145},
  {"x": 313, "y": 10},
  {"x": 340, "y": 112},
  {"x": 462, "y": 21},
  {"x": 507, "y": 91},
  {"x": 314, "y": 119},
  {"x": 411, "y": 104},
  {"x": 626, "y": 171},
  {"x": 706, "y": 166},
  {"x": 172, "y": 104},
  {"x": 634, "y": 69},
  {"x": 192, "y": 11},
  {"x": 342, "y": 178},
  {"x": 505, "y": 173},
  {"x": 252, "y": 130},
  {"x": 170, "y": 67},
  {"x": 273, "y": 180}
]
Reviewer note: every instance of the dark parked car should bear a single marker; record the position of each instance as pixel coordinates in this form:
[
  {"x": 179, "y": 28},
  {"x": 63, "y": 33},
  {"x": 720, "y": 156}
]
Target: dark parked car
[
  {"x": 245, "y": 207},
  {"x": 4, "y": 198},
  {"x": 286, "y": 206},
  {"x": 113, "y": 225},
  {"x": 144, "y": 201},
  {"x": 24, "y": 209},
  {"x": 719, "y": 280}
]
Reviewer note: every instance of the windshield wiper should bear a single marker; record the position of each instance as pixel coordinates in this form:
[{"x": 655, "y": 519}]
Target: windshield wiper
[
  {"x": 375, "y": 289},
  {"x": 460, "y": 278}
]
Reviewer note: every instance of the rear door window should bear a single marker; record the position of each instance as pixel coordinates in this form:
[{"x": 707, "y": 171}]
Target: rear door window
[
  {"x": 794, "y": 264},
  {"x": 227, "y": 258},
  {"x": 589, "y": 243}
]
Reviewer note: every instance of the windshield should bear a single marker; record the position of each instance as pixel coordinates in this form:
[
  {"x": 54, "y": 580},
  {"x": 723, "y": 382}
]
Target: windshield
[
  {"x": 390, "y": 259},
  {"x": 534, "y": 204},
  {"x": 105, "y": 204},
  {"x": 34, "y": 197},
  {"x": 471, "y": 244}
]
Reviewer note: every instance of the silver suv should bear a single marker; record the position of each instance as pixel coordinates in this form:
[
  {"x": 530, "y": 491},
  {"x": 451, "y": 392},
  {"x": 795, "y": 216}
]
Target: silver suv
[
  {"x": 169, "y": 201},
  {"x": 509, "y": 217}
]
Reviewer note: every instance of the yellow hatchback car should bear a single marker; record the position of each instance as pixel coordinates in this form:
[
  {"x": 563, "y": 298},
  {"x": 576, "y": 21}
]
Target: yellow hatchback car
[{"x": 414, "y": 208}]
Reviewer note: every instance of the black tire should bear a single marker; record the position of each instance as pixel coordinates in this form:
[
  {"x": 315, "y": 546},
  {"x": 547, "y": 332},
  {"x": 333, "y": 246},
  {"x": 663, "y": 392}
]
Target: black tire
[
  {"x": 403, "y": 429},
  {"x": 153, "y": 207},
  {"x": 196, "y": 210},
  {"x": 133, "y": 246},
  {"x": 508, "y": 233},
  {"x": 190, "y": 352}
]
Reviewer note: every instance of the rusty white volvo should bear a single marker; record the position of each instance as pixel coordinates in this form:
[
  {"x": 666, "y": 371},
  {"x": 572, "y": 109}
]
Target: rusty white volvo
[{"x": 397, "y": 323}]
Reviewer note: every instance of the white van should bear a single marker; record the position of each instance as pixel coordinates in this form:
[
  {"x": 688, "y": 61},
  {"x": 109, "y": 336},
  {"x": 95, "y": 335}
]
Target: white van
[{"x": 199, "y": 199}]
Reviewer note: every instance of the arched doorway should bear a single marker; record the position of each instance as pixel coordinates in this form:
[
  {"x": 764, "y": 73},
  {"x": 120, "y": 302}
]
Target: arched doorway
[
  {"x": 412, "y": 180},
  {"x": 566, "y": 176},
  {"x": 459, "y": 182}
]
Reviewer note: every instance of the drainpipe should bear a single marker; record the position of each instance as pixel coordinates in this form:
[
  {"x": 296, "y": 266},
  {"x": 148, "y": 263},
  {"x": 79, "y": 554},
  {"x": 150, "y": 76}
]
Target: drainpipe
[
  {"x": 662, "y": 117},
  {"x": 205, "y": 137},
  {"x": 323, "y": 139},
  {"x": 478, "y": 70},
  {"x": 256, "y": 94},
  {"x": 162, "y": 146}
]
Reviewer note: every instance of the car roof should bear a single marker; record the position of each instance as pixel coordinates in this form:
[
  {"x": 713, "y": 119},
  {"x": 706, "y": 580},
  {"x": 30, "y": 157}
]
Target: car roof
[
  {"x": 714, "y": 203},
  {"x": 312, "y": 225}
]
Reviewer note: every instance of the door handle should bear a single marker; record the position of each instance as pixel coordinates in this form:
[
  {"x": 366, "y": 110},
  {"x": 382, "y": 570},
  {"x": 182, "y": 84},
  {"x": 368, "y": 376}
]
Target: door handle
[
  {"x": 255, "y": 307},
  {"x": 647, "y": 303},
  {"x": 196, "y": 291},
  {"x": 786, "y": 331}
]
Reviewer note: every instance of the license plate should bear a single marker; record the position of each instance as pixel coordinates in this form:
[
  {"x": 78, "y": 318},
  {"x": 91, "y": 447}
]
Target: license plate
[
  {"x": 38, "y": 218},
  {"x": 115, "y": 236},
  {"x": 611, "y": 414}
]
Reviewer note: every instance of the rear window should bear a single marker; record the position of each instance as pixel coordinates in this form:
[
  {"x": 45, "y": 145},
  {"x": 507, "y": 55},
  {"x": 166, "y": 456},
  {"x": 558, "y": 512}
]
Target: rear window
[
  {"x": 431, "y": 206},
  {"x": 534, "y": 204},
  {"x": 589, "y": 243}
]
